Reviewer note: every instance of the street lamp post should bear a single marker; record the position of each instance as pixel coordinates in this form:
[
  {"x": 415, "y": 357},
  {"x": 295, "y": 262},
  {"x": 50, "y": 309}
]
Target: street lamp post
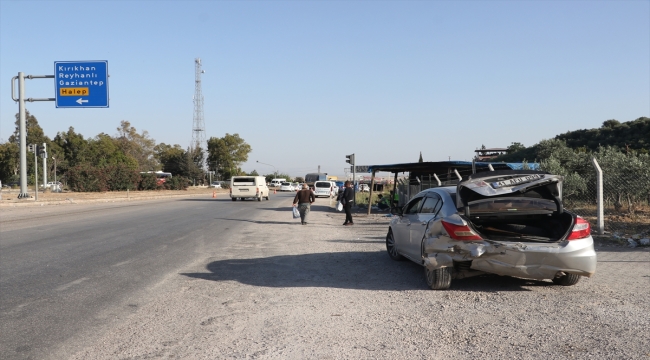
[
  {"x": 55, "y": 183},
  {"x": 276, "y": 170}
]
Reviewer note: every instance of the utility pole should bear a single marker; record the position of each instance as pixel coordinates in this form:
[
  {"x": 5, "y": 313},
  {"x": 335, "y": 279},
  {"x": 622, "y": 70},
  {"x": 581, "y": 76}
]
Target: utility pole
[{"x": 43, "y": 154}]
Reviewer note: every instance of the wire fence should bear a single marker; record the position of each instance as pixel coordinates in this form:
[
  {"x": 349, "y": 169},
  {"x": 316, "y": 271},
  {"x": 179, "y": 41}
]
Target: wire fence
[
  {"x": 626, "y": 195},
  {"x": 626, "y": 200}
]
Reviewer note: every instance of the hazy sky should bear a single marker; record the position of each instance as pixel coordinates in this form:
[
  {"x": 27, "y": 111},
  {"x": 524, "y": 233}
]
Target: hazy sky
[{"x": 307, "y": 82}]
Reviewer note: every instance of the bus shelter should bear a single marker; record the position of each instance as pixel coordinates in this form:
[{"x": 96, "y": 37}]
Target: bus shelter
[{"x": 425, "y": 175}]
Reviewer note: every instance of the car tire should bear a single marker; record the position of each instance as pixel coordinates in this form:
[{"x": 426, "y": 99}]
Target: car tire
[
  {"x": 259, "y": 198},
  {"x": 390, "y": 247},
  {"x": 438, "y": 279},
  {"x": 233, "y": 199},
  {"x": 567, "y": 279}
]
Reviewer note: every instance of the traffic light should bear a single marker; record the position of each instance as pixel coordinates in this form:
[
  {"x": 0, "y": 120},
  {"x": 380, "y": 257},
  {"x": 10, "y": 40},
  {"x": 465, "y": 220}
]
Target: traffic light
[
  {"x": 349, "y": 159},
  {"x": 41, "y": 150},
  {"x": 31, "y": 147}
]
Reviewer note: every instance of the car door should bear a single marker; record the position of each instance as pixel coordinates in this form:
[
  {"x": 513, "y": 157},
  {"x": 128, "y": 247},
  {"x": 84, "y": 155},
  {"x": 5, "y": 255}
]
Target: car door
[
  {"x": 402, "y": 228},
  {"x": 427, "y": 211}
]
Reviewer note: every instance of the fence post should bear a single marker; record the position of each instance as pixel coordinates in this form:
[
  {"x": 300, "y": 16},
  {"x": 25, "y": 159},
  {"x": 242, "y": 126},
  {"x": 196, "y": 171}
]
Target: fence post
[{"x": 600, "y": 224}]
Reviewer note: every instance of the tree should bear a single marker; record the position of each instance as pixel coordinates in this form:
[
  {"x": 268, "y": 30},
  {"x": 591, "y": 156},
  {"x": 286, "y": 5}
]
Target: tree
[
  {"x": 138, "y": 146},
  {"x": 253, "y": 173},
  {"x": 34, "y": 135},
  {"x": 515, "y": 146},
  {"x": 104, "y": 151},
  {"x": 226, "y": 154},
  {"x": 171, "y": 158},
  {"x": 9, "y": 162},
  {"x": 72, "y": 146},
  {"x": 193, "y": 165}
]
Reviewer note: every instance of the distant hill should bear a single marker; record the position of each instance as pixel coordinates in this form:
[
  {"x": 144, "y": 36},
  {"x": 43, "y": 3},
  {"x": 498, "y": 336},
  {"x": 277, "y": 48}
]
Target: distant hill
[
  {"x": 630, "y": 135},
  {"x": 633, "y": 135}
]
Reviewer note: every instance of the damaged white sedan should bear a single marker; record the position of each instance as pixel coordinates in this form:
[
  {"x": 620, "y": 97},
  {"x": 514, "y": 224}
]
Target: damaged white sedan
[{"x": 509, "y": 223}]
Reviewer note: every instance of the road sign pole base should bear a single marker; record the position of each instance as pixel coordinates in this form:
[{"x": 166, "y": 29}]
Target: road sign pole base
[{"x": 23, "y": 196}]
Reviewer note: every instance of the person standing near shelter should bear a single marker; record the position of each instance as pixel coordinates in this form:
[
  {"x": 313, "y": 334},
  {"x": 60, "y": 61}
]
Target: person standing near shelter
[
  {"x": 304, "y": 198},
  {"x": 347, "y": 199}
]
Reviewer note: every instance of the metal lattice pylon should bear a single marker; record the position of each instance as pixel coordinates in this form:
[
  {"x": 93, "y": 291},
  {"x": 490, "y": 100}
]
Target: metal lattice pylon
[{"x": 198, "y": 127}]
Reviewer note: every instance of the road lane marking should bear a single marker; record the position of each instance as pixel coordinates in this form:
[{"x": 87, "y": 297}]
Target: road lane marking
[
  {"x": 78, "y": 281},
  {"x": 122, "y": 263}
]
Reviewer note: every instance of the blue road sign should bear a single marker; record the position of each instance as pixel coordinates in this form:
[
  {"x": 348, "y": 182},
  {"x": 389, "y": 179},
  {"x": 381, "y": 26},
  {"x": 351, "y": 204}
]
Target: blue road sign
[{"x": 81, "y": 84}]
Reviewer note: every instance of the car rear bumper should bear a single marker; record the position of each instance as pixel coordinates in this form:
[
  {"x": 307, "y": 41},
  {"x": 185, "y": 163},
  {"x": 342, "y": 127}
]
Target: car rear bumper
[{"x": 520, "y": 259}]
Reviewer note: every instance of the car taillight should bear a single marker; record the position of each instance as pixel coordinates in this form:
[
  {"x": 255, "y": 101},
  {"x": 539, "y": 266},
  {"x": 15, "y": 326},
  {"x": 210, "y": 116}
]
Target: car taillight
[
  {"x": 460, "y": 232},
  {"x": 580, "y": 230}
]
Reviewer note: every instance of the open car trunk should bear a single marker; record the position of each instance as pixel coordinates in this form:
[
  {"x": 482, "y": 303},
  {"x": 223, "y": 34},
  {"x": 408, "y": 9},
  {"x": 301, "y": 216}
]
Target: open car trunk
[{"x": 515, "y": 206}]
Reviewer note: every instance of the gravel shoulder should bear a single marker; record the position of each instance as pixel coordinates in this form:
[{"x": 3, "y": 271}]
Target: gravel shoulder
[{"x": 325, "y": 291}]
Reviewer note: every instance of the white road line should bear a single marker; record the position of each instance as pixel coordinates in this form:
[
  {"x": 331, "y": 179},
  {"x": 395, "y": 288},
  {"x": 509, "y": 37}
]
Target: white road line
[
  {"x": 122, "y": 263},
  {"x": 78, "y": 281}
]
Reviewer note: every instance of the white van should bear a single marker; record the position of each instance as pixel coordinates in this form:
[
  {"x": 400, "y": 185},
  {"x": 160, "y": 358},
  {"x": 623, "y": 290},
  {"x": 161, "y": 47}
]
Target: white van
[
  {"x": 277, "y": 182},
  {"x": 248, "y": 187},
  {"x": 323, "y": 188}
]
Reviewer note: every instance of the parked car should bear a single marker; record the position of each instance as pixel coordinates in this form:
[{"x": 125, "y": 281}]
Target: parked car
[
  {"x": 335, "y": 189},
  {"x": 52, "y": 185},
  {"x": 216, "y": 185},
  {"x": 296, "y": 186},
  {"x": 286, "y": 186},
  {"x": 364, "y": 188},
  {"x": 509, "y": 222}
]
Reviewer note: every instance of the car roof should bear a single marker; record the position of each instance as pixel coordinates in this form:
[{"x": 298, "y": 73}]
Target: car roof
[{"x": 449, "y": 189}]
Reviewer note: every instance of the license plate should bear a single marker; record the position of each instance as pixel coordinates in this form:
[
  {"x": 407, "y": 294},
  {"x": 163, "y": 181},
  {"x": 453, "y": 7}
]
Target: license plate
[{"x": 516, "y": 181}]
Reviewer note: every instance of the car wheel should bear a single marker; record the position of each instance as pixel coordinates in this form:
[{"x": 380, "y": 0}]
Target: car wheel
[
  {"x": 390, "y": 247},
  {"x": 259, "y": 198},
  {"x": 233, "y": 199},
  {"x": 438, "y": 279},
  {"x": 567, "y": 279}
]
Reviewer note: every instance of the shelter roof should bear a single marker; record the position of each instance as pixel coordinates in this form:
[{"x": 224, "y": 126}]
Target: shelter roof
[{"x": 444, "y": 166}]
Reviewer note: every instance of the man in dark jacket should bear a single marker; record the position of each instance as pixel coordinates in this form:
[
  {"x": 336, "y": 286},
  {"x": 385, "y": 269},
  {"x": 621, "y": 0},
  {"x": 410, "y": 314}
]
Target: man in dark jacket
[
  {"x": 348, "y": 199},
  {"x": 304, "y": 198}
]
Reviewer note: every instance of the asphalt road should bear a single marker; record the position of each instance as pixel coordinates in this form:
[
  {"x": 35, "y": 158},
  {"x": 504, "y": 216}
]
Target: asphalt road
[
  {"x": 215, "y": 279},
  {"x": 67, "y": 270}
]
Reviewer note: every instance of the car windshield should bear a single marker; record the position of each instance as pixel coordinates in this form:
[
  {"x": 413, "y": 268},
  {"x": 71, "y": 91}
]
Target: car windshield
[
  {"x": 323, "y": 185},
  {"x": 285, "y": 184}
]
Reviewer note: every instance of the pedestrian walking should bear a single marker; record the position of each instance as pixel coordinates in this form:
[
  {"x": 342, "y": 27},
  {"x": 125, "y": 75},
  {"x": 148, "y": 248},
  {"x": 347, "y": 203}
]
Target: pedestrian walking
[
  {"x": 348, "y": 199},
  {"x": 304, "y": 198}
]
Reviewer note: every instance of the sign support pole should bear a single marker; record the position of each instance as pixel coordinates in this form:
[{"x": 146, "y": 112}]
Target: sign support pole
[
  {"x": 22, "y": 126},
  {"x": 35, "y": 175},
  {"x": 23, "y": 135}
]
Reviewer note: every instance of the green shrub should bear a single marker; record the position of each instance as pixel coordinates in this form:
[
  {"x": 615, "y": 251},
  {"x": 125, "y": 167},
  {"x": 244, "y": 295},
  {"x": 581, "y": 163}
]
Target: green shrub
[
  {"x": 87, "y": 178},
  {"x": 148, "y": 182},
  {"x": 122, "y": 177},
  {"x": 177, "y": 183}
]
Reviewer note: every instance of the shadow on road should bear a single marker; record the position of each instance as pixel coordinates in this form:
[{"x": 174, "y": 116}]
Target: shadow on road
[
  {"x": 259, "y": 221},
  {"x": 312, "y": 208},
  {"x": 345, "y": 270}
]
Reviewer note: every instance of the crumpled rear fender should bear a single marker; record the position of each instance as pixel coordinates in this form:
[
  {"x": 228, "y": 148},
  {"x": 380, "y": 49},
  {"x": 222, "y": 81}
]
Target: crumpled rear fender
[{"x": 528, "y": 260}]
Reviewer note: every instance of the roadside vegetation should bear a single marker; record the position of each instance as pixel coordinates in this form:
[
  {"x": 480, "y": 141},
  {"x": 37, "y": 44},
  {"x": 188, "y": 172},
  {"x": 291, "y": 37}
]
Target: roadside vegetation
[
  {"x": 121, "y": 161},
  {"x": 622, "y": 152}
]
